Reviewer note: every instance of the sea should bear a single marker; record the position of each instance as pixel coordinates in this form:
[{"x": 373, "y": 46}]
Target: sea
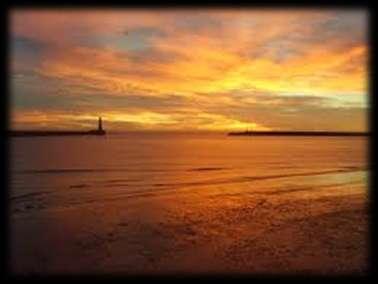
[{"x": 58, "y": 172}]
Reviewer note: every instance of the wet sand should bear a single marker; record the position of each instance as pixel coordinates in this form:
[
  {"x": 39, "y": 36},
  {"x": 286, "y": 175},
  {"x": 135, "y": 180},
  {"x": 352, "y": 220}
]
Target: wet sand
[{"x": 322, "y": 230}]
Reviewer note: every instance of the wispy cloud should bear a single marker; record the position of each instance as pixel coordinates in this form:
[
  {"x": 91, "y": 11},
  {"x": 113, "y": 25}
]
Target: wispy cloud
[{"x": 193, "y": 69}]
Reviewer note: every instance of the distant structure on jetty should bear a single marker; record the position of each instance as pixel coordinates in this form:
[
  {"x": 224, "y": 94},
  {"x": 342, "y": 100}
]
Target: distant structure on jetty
[
  {"x": 99, "y": 130},
  {"x": 30, "y": 133},
  {"x": 297, "y": 133}
]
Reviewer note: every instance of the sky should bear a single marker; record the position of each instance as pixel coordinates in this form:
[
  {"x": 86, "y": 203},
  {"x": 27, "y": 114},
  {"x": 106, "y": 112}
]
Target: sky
[{"x": 189, "y": 70}]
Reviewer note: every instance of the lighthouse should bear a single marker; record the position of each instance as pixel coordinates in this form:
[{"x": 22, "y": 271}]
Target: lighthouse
[
  {"x": 100, "y": 124},
  {"x": 99, "y": 130}
]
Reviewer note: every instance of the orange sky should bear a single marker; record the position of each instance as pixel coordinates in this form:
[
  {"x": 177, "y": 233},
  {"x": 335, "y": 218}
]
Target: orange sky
[{"x": 189, "y": 69}]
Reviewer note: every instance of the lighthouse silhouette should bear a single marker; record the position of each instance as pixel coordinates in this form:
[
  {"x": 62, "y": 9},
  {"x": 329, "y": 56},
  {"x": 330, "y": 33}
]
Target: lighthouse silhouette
[
  {"x": 100, "y": 124},
  {"x": 99, "y": 130}
]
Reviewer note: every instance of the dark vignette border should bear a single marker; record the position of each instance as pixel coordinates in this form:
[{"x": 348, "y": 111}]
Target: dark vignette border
[{"x": 5, "y": 144}]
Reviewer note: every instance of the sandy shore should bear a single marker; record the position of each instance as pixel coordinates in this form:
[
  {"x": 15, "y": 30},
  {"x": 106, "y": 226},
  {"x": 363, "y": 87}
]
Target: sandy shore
[{"x": 199, "y": 231}]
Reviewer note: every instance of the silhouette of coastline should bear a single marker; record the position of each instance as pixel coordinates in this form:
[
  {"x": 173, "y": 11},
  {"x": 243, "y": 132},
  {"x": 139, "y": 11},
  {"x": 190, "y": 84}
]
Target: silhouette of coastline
[
  {"x": 32, "y": 133},
  {"x": 297, "y": 133}
]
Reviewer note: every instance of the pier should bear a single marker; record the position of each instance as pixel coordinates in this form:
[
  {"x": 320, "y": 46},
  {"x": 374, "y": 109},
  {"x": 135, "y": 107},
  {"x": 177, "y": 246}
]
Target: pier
[
  {"x": 32, "y": 133},
  {"x": 297, "y": 133}
]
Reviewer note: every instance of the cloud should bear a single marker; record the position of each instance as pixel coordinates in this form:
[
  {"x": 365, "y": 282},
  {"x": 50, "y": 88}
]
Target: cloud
[
  {"x": 201, "y": 69},
  {"x": 142, "y": 120}
]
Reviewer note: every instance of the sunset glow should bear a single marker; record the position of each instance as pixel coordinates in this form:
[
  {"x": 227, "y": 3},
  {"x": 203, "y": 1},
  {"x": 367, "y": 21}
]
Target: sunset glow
[{"x": 189, "y": 69}]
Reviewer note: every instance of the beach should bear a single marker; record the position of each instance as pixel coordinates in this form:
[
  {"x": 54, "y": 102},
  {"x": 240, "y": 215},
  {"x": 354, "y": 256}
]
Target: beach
[
  {"x": 301, "y": 222},
  {"x": 188, "y": 141}
]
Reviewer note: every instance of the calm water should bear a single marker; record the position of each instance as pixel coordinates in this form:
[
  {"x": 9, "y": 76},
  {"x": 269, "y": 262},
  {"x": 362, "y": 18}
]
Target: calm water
[{"x": 67, "y": 171}]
